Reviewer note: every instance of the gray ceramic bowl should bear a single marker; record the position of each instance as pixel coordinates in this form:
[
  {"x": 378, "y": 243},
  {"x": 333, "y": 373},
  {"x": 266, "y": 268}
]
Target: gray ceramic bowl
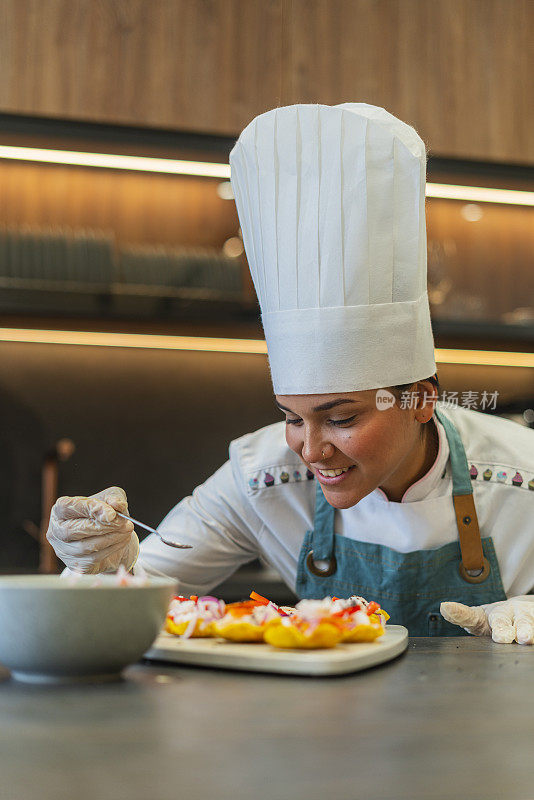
[{"x": 54, "y": 630}]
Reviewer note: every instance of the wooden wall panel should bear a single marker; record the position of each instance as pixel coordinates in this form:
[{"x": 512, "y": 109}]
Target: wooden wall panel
[
  {"x": 460, "y": 71},
  {"x": 203, "y": 65},
  {"x": 480, "y": 270},
  {"x": 140, "y": 208}
]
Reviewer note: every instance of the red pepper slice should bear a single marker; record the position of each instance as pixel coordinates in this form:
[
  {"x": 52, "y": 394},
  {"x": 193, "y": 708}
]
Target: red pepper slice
[
  {"x": 346, "y": 611},
  {"x": 372, "y": 607},
  {"x": 259, "y": 599}
]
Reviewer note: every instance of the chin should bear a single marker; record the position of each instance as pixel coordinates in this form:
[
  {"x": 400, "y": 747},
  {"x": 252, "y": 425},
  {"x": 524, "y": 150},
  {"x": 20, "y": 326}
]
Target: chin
[{"x": 342, "y": 500}]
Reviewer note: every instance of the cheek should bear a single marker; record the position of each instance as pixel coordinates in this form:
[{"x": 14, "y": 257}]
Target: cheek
[
  {"x": 361, "y": 446},
  {"x": 372, "y": 443},
  {"x": 293, "y": 438}
]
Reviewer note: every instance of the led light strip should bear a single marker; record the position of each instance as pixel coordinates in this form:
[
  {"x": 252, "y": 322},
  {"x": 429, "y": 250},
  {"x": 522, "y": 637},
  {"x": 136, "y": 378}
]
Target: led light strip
[
  {"x": 480, "y": 194},
  {"x": 484, "y": 358},
  {"x": 169, "y": 166},
  {"x": 137, "y": 340},
  {"x": 137, "y": 163},
  {"x": 490, "y": 358}
]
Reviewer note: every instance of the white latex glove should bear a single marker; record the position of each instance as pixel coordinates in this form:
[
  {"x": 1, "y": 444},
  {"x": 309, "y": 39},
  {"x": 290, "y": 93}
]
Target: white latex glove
[
  {"x": 88, "y": 536},
  {"x": 506, "y": 621}
]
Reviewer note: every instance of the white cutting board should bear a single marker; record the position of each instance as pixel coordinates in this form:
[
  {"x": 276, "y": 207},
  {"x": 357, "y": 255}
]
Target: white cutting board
[{"x": 261, "y": 657}]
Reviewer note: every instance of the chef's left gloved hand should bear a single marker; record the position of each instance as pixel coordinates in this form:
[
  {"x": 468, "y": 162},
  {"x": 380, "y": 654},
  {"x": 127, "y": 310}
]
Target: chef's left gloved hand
[{"x": 506, "y": 621}]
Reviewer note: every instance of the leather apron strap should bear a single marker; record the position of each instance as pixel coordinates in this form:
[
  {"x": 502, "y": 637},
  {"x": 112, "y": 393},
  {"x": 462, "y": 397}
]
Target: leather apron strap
[
  {"x": 321, "y": 559},
  {"x": 474, "y": 567}
]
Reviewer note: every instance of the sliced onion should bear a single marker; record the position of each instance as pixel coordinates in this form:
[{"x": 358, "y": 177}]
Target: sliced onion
[{"x": 190, "y": 628}]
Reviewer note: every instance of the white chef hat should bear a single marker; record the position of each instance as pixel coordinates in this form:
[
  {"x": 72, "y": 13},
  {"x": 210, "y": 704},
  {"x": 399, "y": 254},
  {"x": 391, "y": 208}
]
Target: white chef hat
[{"x": 331, "y": 201}]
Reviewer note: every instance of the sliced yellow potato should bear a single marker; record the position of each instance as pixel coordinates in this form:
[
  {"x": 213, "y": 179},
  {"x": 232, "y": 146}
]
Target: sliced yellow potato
[
  {"x": 382, "y": 614},
  {"x": 238, "y": 631},
  {"x": 363, "y": 633},
  {"x": 289, "y": 636},
  {"x": 201, "y": 631}
]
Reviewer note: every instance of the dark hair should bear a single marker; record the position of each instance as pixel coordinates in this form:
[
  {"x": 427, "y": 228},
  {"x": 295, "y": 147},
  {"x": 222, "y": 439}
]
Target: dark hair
[{"x": 403, "y": 387}]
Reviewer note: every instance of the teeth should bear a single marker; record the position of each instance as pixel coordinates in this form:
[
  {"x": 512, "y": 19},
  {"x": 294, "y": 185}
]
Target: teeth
[{"x": 332, "y": 473}]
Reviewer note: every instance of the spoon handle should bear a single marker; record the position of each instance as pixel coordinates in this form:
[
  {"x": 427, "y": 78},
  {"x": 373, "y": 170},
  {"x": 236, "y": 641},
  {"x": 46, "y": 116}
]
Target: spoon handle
[{"x": 153, "y": 530}]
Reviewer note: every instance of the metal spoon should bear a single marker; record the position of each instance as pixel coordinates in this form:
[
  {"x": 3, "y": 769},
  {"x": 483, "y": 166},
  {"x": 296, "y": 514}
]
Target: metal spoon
[{"x": 153, "y": 530}]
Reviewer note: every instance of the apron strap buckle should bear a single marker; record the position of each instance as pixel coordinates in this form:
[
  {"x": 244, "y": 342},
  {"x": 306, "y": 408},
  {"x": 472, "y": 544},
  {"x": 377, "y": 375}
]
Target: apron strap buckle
[
  {"x": 321, "y": 573},
  {"x": 475, "y": 575},
  {"x": 474, "y": 566}
]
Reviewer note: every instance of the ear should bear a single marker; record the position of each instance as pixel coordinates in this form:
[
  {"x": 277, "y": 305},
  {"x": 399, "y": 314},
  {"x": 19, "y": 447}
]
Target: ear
[{"x": 427, "y": 396}]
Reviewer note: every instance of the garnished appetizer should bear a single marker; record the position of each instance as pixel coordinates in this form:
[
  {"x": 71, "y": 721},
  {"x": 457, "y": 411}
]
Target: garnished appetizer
[
  {"x": 310, "y": 625},
  {"x": 247, "y": 621},
  {"x": 362, "y": 621},
  {"x": 284, "y": 611},
  {"x": 324, "y": 623},
  {"x": 193, "y": 617}
]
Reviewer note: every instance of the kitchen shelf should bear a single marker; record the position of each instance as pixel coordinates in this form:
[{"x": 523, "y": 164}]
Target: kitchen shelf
[
  {"x": 144, "y": 213},
  {"x": 484, "y": 331},
  {"x": 121, "y": 300},
  {"x": 101, "y": 302},
  {"x": 118, "y": 289}
]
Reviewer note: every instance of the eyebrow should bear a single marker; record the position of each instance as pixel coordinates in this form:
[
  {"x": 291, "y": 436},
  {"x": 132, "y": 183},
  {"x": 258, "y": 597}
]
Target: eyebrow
[{"x": 322, "y": 407}]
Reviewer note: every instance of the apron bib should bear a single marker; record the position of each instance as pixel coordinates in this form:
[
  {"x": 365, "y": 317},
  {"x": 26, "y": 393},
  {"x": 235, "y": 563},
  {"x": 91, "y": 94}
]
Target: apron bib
[{"x": 410, "y": 586}]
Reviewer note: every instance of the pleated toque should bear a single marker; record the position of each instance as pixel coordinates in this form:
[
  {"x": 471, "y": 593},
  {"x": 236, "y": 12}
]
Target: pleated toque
[{"x": 331, "y": 202}]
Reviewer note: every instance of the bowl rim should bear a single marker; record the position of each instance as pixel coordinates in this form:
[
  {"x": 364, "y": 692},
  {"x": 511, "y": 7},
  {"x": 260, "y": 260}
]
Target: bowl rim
[{"x": 37, "y": 582}]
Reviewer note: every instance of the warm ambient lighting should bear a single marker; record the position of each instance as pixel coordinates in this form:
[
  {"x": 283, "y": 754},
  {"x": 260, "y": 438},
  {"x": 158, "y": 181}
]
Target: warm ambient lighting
[
  {"x": 490, "y": 358},
  {"x": 484, "y": 358},
  {"x": 137, "y": 340},
  {"x": 137, "y": 163},
  {"x": 480, "y": 194},
  {"x": 476, "y": 194},
  {"x": 471, "y": 212}
]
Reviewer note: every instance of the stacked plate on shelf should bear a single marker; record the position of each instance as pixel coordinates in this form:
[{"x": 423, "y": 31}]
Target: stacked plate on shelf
[
  {"x": 81, "y": 260},
  {"x": 180, "y": 268},
  {"x": 29, "y": 254}
]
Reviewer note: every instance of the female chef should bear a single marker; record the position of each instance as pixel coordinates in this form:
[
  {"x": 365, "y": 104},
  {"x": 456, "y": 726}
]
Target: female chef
[{"x": 419, "y": 505}]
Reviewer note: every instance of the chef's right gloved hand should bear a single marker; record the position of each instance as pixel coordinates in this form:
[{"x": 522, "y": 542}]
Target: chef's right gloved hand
[{"x": 88, "y": 536}]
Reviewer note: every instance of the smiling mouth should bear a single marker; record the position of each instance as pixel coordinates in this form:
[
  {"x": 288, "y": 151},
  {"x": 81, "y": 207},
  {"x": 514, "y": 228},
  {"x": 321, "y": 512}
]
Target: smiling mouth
[{"x": 333, "y": 473}]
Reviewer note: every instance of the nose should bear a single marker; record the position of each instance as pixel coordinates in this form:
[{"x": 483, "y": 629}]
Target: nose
[{"x": 314, "y": 449}]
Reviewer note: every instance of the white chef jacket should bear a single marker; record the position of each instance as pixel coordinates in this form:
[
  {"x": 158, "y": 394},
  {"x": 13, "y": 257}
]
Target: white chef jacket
[{"x": 260, "y": 503}]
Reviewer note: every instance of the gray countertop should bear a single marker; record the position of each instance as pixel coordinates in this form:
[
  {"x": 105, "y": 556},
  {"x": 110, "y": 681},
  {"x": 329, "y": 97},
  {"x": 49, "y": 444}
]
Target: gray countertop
[{"x": 449, "y": 718}]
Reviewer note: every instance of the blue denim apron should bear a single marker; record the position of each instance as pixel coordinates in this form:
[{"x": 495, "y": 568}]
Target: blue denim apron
[{"x": 410, "y": 586}]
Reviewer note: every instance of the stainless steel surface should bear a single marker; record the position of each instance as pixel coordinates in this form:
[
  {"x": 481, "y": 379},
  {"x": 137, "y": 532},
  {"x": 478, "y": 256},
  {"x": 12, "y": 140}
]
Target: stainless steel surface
[
  {"x": 449, "y": 718},
  {"x": 153, "y": 530}
]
